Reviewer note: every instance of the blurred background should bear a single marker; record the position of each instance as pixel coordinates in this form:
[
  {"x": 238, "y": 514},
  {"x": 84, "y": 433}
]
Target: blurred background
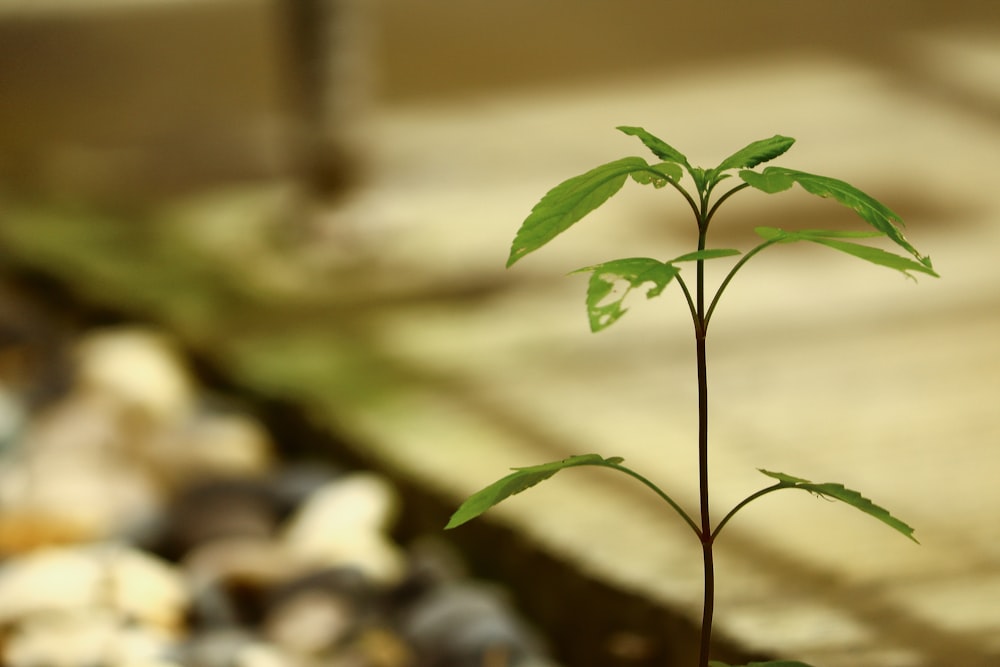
[
  {"x": 316, "y": 198},
  {"x": 114, "y": 98}
]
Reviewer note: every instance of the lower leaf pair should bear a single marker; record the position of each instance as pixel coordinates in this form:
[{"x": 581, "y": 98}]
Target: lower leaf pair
[{"x": 524, "y": 478}]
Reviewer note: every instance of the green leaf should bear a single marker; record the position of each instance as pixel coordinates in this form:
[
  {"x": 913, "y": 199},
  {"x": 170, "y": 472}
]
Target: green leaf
[
  {"x": 569, "y": 201},
  {"x": 636, "y": 271},
  {"x": 771, "y": 663},
  {"x": 778, "y": 234},
  {"x": 832, "y": 239},
  {"x": 518, "y": 481},
  {"x": 706, "y": 254},
  {"x": 756, "y": 153},
  {"x": 700, "y": 178},
  {"x": 839, "y": 492},
  {"x": 877, "y": 214},
  {"x": 658, "y": 174},
  {"x": 660, "y": 148}
]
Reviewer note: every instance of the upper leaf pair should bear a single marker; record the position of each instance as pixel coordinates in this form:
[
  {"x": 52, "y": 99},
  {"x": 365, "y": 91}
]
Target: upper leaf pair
[
  {"x": 570, "y": 201},
  {"x": 750, "y": 156}
]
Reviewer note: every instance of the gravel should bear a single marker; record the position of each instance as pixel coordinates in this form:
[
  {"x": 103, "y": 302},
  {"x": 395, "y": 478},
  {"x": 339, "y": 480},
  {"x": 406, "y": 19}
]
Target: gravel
[{"x": 147, "y": 521}]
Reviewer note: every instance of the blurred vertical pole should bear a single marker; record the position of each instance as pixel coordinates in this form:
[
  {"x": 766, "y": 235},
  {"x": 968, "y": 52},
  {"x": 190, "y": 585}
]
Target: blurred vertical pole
[{"x": 329, "y": 61}]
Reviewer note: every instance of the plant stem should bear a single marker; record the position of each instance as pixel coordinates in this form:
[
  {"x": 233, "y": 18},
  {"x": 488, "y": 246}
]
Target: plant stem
[
  {"x": 676, "y": 186},
  {"x": 731, "y": 274},
  {"x": 743, "y": 503},
  {"x": 702, "y": 318},
  {"x": 705, "y": 534},
  {"x": 658, "y": 491},
  {"x": 709, "y": 605},
  {"x": 723, "y": 198},
  {"x": 690, "y": 301}
]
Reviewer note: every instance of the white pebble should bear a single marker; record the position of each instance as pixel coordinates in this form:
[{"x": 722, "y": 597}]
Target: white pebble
[
  {"x": 344, "y": 523},
  {"x": 83, "y": 637},
  {"x": 137, "y": 366},
  {"x": 127, "y": 582},
  {"x": 211, "y": 445}
]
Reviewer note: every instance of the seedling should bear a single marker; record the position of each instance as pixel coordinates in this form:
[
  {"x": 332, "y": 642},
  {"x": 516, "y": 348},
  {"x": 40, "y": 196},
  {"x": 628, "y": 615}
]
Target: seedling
[{"x": 612, "y": 281}]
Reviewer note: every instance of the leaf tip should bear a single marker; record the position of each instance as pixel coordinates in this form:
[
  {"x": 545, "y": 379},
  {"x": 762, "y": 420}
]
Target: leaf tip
[{"x": 516, "y": 253}]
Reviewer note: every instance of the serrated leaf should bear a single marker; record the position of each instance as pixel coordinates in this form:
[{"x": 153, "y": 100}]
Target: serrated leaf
[
  {"x": 660, "y": 148},
  {"x": 636, "y": 271},
  {"x": 877, "y": 214},
  {"x": 756, "y": 153},
  {"x": 569, "y": 201},
  {"x": 845, "y": 495},
  {"x": 658, "y": 174},
  {"x": 878, "y": 256},
  {"x": 783, "y": 478},
  {"x": 518, "y": 481},
  {"x": 834, "y": 239},
  {"x": 706, "y": 254}
]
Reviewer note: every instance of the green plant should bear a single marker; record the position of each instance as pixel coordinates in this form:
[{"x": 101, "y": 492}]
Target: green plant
[{"x": 611, "y": 282}]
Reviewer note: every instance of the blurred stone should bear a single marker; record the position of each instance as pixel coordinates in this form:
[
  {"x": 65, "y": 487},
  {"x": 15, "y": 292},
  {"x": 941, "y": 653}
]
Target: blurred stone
[
  {"x": 294, "y": 482},
  {"x": 344, "y": 523},
  {"x": 230, "y": 579},
  {"x": 317, "y": 612},
  {"x": 260, "y": 654},
  {"x": 431, "y": 563},
  {"x": 13, "y": 414},
  {"x": 286, "y": 567},
  {"x": 68, "y": 506},
  {"x": 214, "y": 606},
  {"x": 51, "y": 580},
  {"x": 311, "y": 622},
  {"x": 70, "y": 477},
  {"x": 145, "y": 588},
  {"x": 140, "y": 368},
  {"x": 130, "y": 583},
  {"x": 217, "y": 509},
  {"x": 83, "y": 637},
  {"x": 378, "y": 647},
  {"x": 210, "y": 444},
  {"x": 231, "y": 647},
  {"x": 464, "y": 625},
  {"x": 24, "y": 531},
  {"x": 335, "y": 617}
]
